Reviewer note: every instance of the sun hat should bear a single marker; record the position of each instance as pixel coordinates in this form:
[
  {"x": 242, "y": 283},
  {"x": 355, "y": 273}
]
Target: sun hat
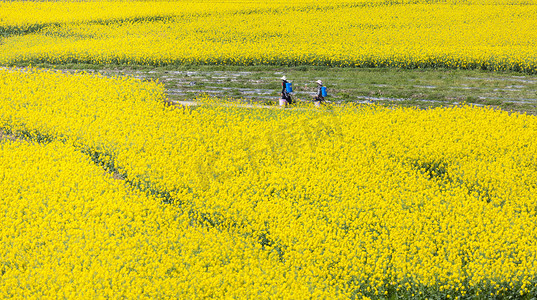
[
  {"x": 284, "y": 78},
  {"x": 319, "y": 82}
]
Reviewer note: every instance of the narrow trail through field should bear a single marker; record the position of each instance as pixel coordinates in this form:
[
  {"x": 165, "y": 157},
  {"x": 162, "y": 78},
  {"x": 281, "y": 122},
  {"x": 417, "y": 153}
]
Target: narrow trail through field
[{"x": 5, "y": 136}]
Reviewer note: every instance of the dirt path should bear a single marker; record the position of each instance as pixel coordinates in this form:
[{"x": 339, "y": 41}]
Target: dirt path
[
  {"x": 245, "y": 105},
  {"x": 4, "y": 136}
]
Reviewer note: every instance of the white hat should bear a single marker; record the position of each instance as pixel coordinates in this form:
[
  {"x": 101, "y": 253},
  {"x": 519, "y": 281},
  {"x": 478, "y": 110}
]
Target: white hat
[
  {"x": 284, "y": 78},
  {"x": 319, "y": 82}
]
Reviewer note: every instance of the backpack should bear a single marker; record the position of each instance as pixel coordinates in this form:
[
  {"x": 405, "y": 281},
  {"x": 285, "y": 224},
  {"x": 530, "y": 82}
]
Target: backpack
[
  {"x": 323, "y": 91},
  {"x": 289, "y": 87}
]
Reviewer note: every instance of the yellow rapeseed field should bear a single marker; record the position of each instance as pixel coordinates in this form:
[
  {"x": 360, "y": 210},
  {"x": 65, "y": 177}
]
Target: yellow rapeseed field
[
  {"x": 71, "y": 231},
  {"x": 482, "y": 34},
  {"x": 225, "y": 201}
]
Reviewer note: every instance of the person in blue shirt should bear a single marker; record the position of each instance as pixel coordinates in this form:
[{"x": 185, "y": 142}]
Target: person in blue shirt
[
  {"x": 285, "y": 94},
  {"x": 318, "y": 99}
]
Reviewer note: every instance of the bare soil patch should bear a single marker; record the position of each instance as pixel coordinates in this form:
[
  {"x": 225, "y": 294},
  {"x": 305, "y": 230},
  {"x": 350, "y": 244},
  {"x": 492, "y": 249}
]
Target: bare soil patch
[{"x": 4, "y": 136}]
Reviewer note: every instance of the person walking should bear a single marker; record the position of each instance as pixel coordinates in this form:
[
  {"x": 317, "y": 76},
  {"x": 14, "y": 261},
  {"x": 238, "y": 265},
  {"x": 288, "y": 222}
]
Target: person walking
[
  {"x": 321, "y": 92},
  {"x": 285, "y": 91}
]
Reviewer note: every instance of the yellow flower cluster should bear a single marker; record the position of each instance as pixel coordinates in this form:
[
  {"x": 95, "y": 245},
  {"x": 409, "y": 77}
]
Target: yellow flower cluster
[
  {"x": 69, "y": 230},
  {"x": 333, "y": 203},
  {"x": 487, "y": 34}
]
